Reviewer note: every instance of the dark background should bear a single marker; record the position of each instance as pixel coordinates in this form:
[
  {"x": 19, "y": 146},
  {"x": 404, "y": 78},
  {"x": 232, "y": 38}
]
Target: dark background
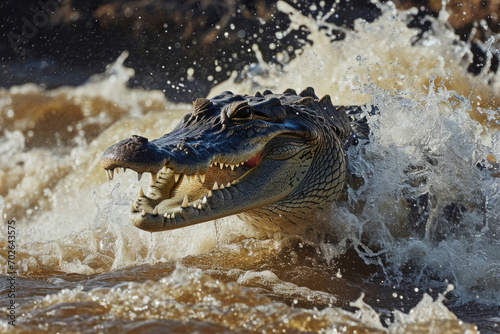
[{"x": 64, "y": 42}]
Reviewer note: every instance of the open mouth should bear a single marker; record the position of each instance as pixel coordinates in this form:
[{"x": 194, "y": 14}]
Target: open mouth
[
  {"x": 190, "y": 189},
  {"x": 174, "y": 199}
]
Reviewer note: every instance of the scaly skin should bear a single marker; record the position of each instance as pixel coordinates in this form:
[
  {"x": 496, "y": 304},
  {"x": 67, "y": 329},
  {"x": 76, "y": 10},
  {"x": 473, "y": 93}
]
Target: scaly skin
[{"x": 272, "y": 159}]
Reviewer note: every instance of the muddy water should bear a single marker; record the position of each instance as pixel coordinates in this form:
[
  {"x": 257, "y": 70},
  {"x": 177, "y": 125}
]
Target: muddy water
[{"x": 81, "y": 267}]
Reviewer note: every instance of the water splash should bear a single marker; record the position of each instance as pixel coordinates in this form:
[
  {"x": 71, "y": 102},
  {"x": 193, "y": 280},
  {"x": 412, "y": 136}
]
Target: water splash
[
  {"x": 193, "y": 298},
  {"x": 428, "y": 197}
]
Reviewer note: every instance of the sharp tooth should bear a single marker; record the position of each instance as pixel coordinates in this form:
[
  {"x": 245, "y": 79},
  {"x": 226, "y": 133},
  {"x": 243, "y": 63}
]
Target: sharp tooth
[
  {"x": 228, "y": 185},
  {"x": 221, "y": 165},
  {"x": 139, "y": 176},
  {"x": 143, "y": 213},
  {"x": 204, "y": 200},
  {"x": 202, "y": 178},
  {"x": 117, "y": 170},
  {"x": 107, "y": 174},
  {"x": 141, "y": 192},
  {"x": 173, "y": 216},
  {"x": 215, "y": 163},
  {"x": 221, "y": 187},
  {"x": 209, "y": 194},
  {"x": 166, "y": 215},
  {"x": 192, "y": 178},
  {"x": 177, "y": 177},
  {"x": 155, "y": 211},
  {"x": 216, "y": 186},
  {"x": 232, "y": 167},
  {"x": 199, "y": 206},
  {"x": 211, "y": 165},
  {"x": 124, "y": 170},
  {"x": 164, "y": 169},
  {"x": 237, "y": 165},
  {"x": 185, "y": 202},
  {"x": 111, "y": 173},
  {"x": 154, "y": 176}
]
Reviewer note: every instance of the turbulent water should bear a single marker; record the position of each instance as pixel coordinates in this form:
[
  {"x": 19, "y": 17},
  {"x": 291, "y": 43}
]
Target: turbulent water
[{"x": 415, "y": 246}]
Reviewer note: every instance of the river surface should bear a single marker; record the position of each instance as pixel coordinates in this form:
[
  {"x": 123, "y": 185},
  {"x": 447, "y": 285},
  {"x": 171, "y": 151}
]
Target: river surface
[{"x": 414, "y": 248}]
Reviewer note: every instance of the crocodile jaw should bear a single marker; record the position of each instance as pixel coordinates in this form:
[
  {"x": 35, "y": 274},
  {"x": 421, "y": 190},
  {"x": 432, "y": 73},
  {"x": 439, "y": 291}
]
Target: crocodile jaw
[{"x": 266, "y": 183}]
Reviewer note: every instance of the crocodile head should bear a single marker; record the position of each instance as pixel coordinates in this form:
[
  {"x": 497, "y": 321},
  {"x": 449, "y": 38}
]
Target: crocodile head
[{"x": 272, "y": 159}]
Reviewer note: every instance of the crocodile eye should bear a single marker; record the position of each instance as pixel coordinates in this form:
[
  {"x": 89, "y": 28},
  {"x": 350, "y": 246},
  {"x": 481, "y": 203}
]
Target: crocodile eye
[{"x": 242, "y": 113}]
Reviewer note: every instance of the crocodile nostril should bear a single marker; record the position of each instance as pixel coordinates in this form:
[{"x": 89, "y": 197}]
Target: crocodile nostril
[{"x": 139, "y": 139}]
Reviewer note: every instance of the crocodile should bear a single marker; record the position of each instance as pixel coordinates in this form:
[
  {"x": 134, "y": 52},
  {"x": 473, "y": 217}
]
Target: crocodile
[{"x": 271, "y": 159}]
